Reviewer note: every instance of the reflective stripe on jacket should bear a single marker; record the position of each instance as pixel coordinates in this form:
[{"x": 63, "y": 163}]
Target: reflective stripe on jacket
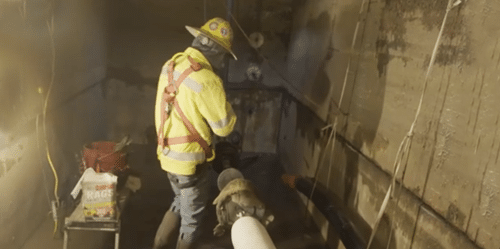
[{"x": 202, "y": 98}]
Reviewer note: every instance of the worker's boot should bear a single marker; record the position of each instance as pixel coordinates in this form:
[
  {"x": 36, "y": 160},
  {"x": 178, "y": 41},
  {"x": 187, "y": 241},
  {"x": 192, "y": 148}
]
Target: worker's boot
[{"x": 167, "y": 233}]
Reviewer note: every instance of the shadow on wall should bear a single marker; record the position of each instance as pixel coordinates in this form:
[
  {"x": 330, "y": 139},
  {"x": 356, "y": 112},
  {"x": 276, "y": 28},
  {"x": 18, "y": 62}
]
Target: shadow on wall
[
  {"x": 369, "y": 87},
  {"x": 307, "y": 54},
  {"x": 367, "y": 81}
]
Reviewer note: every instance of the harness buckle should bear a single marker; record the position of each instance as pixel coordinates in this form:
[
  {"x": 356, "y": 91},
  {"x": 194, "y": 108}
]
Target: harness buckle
[
  {"x": 168, "y": 108},
  {"x": 165, "y": 151}
]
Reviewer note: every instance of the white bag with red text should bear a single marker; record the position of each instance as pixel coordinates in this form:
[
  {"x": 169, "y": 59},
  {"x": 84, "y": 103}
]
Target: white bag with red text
[{"x": 99, "y": 196}]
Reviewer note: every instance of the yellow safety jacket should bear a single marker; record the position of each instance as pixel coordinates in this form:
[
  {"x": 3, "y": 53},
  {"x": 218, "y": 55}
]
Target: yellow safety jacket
[{"x": 202, "y": 99}]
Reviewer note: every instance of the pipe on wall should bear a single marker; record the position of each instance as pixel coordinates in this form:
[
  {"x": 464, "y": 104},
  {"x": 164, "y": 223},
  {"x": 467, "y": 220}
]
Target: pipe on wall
[{"x": 345, "y": 229}]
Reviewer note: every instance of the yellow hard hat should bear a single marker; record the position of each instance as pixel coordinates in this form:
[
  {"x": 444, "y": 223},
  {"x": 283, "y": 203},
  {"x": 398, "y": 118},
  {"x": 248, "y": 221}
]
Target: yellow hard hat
[{"x": 217, "y": 29}]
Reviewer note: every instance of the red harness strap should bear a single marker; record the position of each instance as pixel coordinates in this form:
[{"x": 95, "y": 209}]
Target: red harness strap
[{"x": 168, "y": 99}]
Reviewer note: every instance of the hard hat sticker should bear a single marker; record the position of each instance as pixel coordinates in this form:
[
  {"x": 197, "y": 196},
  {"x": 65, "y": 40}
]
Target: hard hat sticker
[
  {"x": 213, "y": 26},
  {"x": 224, "y": 32}
]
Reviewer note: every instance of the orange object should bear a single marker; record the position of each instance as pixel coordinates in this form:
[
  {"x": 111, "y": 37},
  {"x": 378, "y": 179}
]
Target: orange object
[
  {"x": 290, "y": 180},
  {"x": 102, "y": 158}
]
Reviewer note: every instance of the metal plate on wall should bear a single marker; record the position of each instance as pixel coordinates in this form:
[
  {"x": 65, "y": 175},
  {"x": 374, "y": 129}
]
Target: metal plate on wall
[{"x": 258, "y": 114}]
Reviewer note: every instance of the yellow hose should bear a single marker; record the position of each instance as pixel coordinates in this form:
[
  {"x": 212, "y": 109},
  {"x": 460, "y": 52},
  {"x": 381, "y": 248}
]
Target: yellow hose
[{"x": 49, "y": 158}]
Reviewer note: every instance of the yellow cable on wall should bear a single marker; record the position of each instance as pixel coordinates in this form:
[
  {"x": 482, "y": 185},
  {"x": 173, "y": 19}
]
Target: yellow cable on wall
[{"x": 50, "y": 26}]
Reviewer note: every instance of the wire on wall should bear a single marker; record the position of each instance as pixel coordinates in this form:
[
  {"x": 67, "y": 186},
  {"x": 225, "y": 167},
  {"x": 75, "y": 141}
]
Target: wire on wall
[
  {"x": 45, "y": 181},
  {"x": 405, "y": 144},
  {"x": 333, "y": 133},
  {"x": 50, "y": 26}
]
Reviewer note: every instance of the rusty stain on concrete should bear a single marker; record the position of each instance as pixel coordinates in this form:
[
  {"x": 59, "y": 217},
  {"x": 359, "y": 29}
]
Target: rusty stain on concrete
[
  {"x": 380, "y": 143},
  {"x": 454, "y": 215},
  {"x": 490, "y": 196},
  {"x": 455, "y": 47},
  {"x": 382, "y": 55},
  {"x": 431, "y": 231},
  {"x": 433, "y": 11}
]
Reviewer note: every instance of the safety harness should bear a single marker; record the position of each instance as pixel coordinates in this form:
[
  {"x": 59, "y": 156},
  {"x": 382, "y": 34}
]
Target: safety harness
[{"x": 169, "y": 100}]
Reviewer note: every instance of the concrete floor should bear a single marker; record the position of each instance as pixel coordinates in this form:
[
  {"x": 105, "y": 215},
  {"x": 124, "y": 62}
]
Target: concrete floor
[
  {"x": 43, "y": 238},
  {"x": 145, "y": 209}
]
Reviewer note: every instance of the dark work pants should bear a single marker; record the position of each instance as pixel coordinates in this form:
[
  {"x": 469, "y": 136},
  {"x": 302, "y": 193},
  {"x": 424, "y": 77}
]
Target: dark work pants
[{"x": 191, "y": 198}]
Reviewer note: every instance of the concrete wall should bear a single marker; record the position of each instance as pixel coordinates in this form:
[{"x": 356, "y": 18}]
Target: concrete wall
[
  {"x": 450, "y": 180},
  {"x": 73, "y": 118}
]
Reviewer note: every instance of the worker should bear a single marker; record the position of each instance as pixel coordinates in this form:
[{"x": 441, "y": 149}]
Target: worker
[{"x": 190, "y": 106}]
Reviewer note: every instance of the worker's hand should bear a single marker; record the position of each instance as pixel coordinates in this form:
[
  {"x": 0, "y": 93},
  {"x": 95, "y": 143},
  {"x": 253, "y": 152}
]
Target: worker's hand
[
  {"x": 237, "y": 199},
  {"x": 219, "y": 230}
]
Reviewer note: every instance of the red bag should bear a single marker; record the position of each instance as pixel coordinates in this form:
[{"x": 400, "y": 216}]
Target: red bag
[{"x": 101, "y": 156}]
